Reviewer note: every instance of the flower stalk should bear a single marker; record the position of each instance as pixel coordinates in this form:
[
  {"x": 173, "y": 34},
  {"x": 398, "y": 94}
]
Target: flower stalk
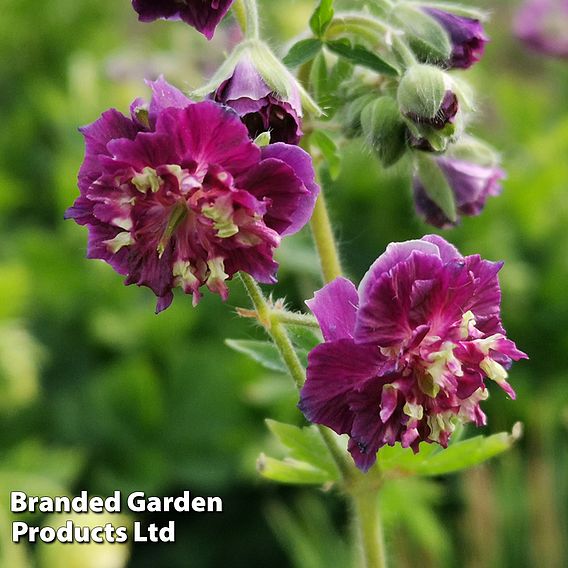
[
  {"x": 325, "y": 241},
  {"x": 368, "y": 529},
  {"x": 277, "y": 332}
]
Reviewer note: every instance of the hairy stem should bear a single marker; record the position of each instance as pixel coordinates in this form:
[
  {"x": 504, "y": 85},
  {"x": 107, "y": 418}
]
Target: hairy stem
[
  {"x": 277, "y": 332},
  {"x": 325, "y": 241},
  {"x": 250, "y": 8}
]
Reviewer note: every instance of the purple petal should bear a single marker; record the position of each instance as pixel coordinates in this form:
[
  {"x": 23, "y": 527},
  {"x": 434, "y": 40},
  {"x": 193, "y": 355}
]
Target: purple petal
[
  {"x": 203, "y": 15},
  {"x": 301, "y": 163},
  {"x": 335, "y": 369},
  {"x": 335, "y": 307},
  {"x": 276, "y": 181},
  {"x": 395, "y": 253},
  {"x": 209, "y": 133},
  {"x": 164, "y": 96}
]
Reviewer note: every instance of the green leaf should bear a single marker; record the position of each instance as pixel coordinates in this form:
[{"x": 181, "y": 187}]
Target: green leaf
[
  {"x": 330, "y": 152},
  {"x": 305, "y": 445},
  {"x": 290, "y": 471},
  {"x": 467, "y": 454},
  {"x": 262, "y": 352},
  {"x": 431, "y": 460},
  {"x": 321, "y": 18},
  {"x": 436, "y": 186},
  {"x": 318, "y": 79},
  {"x": 360, "y": 55},
  {"x": 302, "y": 52}
]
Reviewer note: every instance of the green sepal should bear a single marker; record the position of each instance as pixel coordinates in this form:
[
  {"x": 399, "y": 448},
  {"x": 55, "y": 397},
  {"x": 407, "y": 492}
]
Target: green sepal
[
  {"x": 436, "y": 185},
  {"x": 426, "y": 37},
  {"x": 385, "y": 130}
]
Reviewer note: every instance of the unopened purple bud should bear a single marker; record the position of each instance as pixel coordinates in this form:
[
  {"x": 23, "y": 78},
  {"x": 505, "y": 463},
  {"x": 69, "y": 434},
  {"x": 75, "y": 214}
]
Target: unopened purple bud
[
  {"x": 260, "y": 108},
  {"x": 203, "y": 15},
  {"x": 471, "y": 184},
  {"x": 543, "y": 26},
  {"x": 467, "y": 37}
]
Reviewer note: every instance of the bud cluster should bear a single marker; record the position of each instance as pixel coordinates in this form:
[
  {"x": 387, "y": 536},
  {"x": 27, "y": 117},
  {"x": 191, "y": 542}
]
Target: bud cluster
[{"x": 425, "y": 110}]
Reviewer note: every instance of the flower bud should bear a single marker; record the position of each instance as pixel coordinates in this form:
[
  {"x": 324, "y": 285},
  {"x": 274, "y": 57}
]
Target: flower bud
[
  {"x": 262, "y": 91},
  {"x": 385, "y": 130},
  {"x": 453, "y": 39},
  {"x": 428, "y": 101},
  {"x": 471, "y": 173},
  {"x": 352, "y": 116},
  {"x": 259, "y": 106}
]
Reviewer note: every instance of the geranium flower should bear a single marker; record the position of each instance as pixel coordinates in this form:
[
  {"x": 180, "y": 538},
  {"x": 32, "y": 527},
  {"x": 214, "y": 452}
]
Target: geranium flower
[
  {"x": 203, "y": 15},
  {"x": 407, "y": 355},
  {"x": 178, "y": 195}
]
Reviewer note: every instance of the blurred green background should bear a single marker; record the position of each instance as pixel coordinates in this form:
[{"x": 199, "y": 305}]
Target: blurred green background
[{"x": 98, "y": 393}]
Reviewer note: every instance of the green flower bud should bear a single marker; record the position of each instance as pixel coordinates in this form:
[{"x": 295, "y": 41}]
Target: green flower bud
[
  {"x": 352, "y": 115},
  {"x": 428, "y": 101},
  {"x": 385, "y": 130}
]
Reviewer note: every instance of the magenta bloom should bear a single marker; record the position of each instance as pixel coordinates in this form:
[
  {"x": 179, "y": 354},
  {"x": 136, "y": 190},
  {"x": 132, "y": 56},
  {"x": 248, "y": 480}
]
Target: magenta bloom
[
  {"x": 203, "y": 15},
  {"x": 471, "y": 184},
  {"x": 259, "y": 107},
  {"x": 466, "y": 36},
  {"x": 406, "y": 356},
  {"x": 543, "y": 26},
  {"x": 179, "y": 196}
]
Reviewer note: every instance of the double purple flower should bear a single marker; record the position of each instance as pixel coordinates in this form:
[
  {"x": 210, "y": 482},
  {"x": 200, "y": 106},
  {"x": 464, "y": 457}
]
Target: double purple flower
[
  {"x": 203, "y": 15},
  {"x": 406, "y": 356},
  {"x": 178, "y": 195}
]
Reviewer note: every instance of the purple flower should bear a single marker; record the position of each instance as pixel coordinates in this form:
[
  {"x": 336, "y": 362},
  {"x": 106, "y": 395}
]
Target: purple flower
[
  {"x": 466, "y": 36},
  {"x": 543, "y": 26},
  {"x": 259, "y": 107},
  {"x": 179, "y": 196},
  {"x": 203, "y": 15},
  {"x": 406, "y": 356},
  {"x": 471, "y": 185}
]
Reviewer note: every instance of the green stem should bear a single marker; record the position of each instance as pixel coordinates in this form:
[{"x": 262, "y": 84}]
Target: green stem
[
  {"x": 252, "y": 27},
  {"x": 325, "y": 241},
  {"x": 368, "y": 529},
  {"x": 280, "y": 338},
  {"x": 240, "y": 12}
]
